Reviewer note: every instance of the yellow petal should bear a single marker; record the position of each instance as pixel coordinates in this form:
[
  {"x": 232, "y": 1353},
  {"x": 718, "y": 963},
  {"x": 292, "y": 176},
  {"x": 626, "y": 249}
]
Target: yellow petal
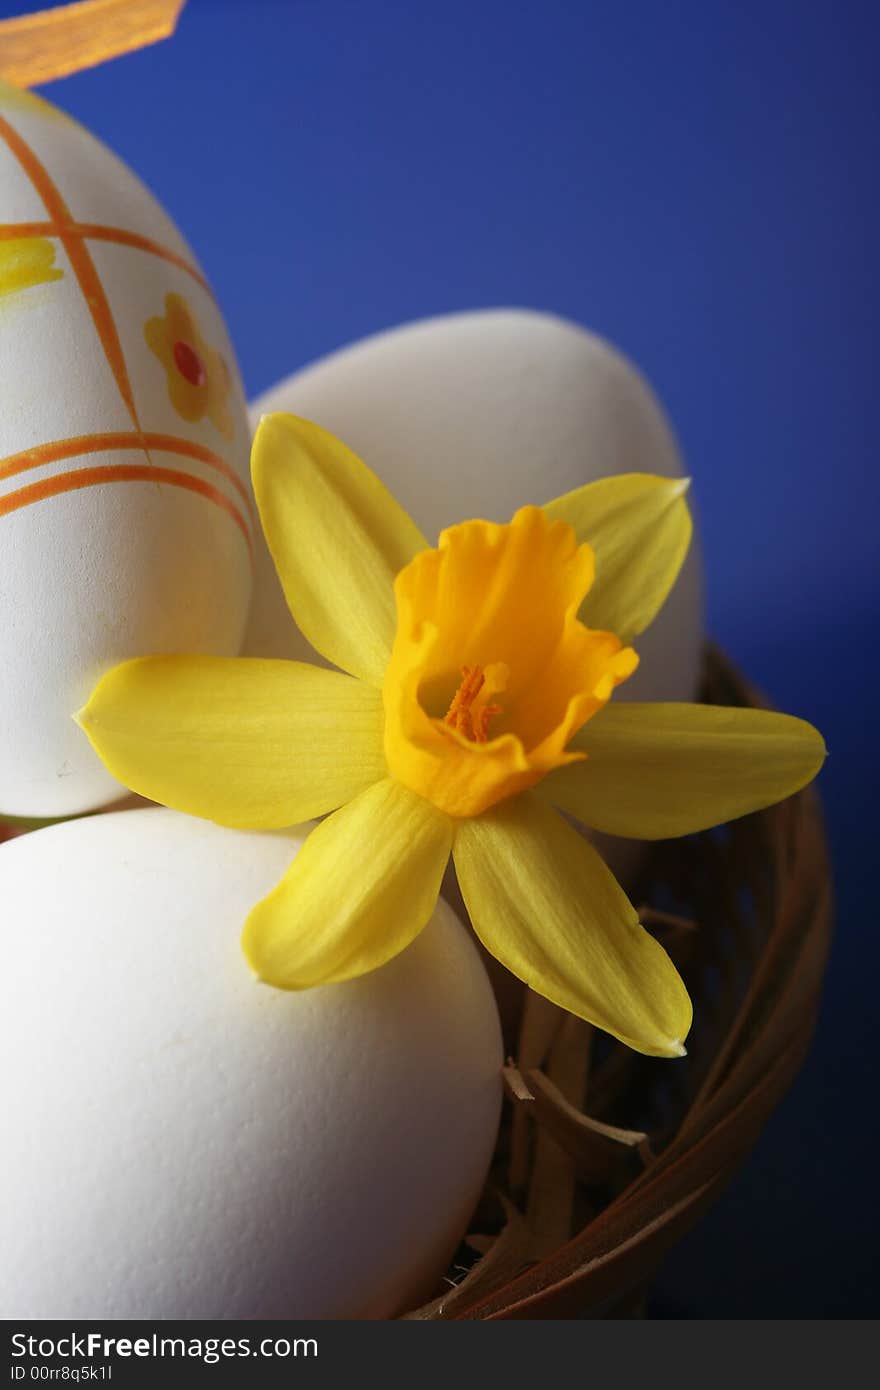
[
  {"x": 640, "y": 528},
  {"x": 653, "y": 771},
  {"x": 242, "y": 741},
  {"x": 361, "y": 888},
  {"x": 337, "y": 537},
  {"x": 543, "y": 902}
]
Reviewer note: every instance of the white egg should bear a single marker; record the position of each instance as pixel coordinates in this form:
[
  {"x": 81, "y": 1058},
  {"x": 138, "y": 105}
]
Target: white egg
[
  {"x": 183, "y": 1142},
  {"x": 125, "y": 516},
  {"x": 478, "y": 414}
]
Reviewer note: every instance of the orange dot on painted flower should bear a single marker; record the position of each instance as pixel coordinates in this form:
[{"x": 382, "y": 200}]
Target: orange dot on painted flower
[{"x": 189, "y": 364}]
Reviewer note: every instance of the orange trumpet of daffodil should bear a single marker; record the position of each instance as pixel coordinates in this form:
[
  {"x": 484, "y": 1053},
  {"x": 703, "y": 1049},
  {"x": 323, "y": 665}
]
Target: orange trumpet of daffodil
[{"x": 472, "y": 699}]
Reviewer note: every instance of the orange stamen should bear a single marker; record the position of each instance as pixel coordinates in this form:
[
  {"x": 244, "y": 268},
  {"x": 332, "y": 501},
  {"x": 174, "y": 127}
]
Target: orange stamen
[
  {"x": 484, "y": 719},
  {"x": 461, "y": 715}
]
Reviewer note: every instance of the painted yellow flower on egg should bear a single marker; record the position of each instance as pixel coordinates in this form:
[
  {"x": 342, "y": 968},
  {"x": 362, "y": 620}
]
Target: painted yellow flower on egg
[
  {"x": 25, "y": 262},
  {"x": 198, "y": 377},
  {"x": 472, "y": 700}
]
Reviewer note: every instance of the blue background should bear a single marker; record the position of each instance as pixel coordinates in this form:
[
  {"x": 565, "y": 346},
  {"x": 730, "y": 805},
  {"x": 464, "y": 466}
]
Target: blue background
[{"x": 697, "y": 182}]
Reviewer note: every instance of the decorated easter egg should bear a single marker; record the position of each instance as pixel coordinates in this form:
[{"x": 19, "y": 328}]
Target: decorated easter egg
[
  {"x": 187, "y": 1143},
  {"x": 475, "y": 415},
  {"x": 125, "y": 519}
]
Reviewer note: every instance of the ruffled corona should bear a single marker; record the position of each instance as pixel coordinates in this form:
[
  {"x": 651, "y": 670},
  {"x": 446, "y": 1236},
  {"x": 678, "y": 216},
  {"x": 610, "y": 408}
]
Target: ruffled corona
[{"x": 492, "y": 672}]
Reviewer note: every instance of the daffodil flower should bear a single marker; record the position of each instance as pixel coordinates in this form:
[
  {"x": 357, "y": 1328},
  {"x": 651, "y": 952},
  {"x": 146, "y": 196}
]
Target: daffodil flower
[{"x": 470, "y": 700}]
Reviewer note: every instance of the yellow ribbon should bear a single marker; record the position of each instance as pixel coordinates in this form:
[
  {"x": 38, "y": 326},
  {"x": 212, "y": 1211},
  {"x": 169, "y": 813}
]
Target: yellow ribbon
[{"x": 36, "y": 48}]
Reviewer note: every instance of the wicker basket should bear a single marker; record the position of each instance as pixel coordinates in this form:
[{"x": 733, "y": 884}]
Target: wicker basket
[{"x": 605, "y": 1157}]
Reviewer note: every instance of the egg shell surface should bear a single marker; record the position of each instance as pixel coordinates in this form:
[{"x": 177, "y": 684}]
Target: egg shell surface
[
  {"x": 126, "y": 521},
  {"x": 187, "y": 1143},
  {"x": 476, "y": 415}
]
